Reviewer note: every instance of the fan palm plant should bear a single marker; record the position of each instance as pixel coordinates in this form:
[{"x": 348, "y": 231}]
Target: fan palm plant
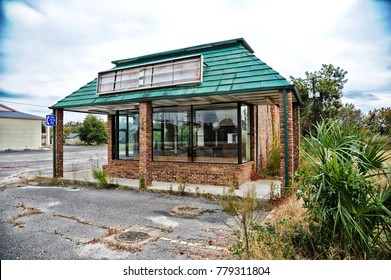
[{"x": 345, "y": 196}]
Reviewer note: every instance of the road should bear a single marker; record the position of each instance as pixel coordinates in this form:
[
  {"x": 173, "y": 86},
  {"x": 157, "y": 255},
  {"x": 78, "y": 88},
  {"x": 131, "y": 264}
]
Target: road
[
  {"x": 17, "y": 165},
  {"x": 81, "y": 222}
]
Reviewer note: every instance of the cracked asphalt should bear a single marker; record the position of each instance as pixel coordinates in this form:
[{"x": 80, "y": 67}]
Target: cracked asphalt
[
  {"x": 46, "y": 222},
  {"x": 73, "y": 222}
]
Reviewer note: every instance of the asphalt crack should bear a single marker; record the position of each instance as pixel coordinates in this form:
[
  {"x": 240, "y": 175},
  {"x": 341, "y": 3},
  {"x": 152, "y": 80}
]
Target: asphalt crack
[{"x": 29, "y": 211}]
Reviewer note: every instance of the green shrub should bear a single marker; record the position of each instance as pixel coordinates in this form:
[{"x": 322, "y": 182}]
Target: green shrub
[
  {"x": 104, "y": 181},
  {"x": 273, "y": 159},
  {"x": 100, "y": 175},
  {"x": 347, "y": 204}
]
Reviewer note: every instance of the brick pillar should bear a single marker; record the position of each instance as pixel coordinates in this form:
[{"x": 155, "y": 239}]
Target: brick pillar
[
  {"x": 253, "y": 136},
  {"x": 145, "y": 142},
  {"x": 59, "y": 151},
  {"x": 110, "y": 139},
  {"x": 296, "y": 137},
  {"x": 289, "y": 129}
]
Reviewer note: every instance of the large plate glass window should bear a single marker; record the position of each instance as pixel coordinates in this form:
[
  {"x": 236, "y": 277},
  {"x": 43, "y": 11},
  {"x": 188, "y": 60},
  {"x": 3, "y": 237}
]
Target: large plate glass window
[
  {"x": 215, "y": 137},
  {"x": 128, "y": 135},
  {"x": 171, "y": 134},
  {"x": 246, "y": 132}
]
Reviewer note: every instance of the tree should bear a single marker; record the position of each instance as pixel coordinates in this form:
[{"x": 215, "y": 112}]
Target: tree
[
  {"x": 329, "y": 82},
  {"x": 379, "y": 120},
  {"x": 71, "y": 127},
  {"x": 349, "y": 115},
  {"x": 93, "y": 130}
]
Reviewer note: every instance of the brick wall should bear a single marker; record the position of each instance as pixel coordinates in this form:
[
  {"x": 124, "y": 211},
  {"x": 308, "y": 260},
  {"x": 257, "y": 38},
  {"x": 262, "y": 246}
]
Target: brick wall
[
  {"x": 201, "y": 173},
  {"x": 196, "y": 173},
  {"x": 110, "y": 130},
  {"x": 123, "y": 169}
]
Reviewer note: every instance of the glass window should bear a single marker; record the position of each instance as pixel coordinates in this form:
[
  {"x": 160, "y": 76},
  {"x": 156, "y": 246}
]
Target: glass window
[
  {"x": 128, "y": 135},
  {"x": 215, "y": 133},
  {"x": 171, "y": 134},
  {"x": 246, "y": 133},
  {"x": 167, "y": 73}
]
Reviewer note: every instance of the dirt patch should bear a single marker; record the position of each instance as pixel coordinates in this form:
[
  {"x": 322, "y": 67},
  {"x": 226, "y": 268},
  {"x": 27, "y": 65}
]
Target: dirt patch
[
  {"x": 131, "y": 239},
  {"x": 132, "y": 236},
  {"x": 187, "y": 210}
]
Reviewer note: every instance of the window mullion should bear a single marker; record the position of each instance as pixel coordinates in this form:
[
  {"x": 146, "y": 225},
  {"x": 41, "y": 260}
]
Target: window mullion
[{"x": 239, "y": 110}]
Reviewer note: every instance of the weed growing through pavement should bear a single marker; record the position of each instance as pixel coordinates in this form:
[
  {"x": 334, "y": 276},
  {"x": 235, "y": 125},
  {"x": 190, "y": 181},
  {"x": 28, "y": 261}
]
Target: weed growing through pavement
[
  {"x": 182, "y": 185},
  {"x": 243, "y": 211},
  {"x": 141, "y": 184},
  {"x": 74, "y": 169}
]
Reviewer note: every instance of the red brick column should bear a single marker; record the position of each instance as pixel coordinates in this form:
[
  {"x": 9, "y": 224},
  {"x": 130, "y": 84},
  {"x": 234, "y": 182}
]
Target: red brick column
[
  {"x": 109, "y": 139},
  {"x": 253, "y": 136},
  {"x": 146, "y": 142},
  {"x": 289, "y": 115},
  {"x": 296, "y": 137},
  {"x": 59, "y": 151}
]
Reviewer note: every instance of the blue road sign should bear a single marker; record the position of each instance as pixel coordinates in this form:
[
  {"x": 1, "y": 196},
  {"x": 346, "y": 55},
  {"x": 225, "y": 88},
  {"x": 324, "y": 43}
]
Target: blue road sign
[{"x": 51, "y": 120}]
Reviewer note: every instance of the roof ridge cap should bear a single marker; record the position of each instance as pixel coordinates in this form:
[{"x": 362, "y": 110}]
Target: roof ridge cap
[{"x": 186, "y": 49}]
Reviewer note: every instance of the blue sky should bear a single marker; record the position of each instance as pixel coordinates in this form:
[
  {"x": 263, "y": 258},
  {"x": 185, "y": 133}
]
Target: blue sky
[{"x": 50, "y": 48}]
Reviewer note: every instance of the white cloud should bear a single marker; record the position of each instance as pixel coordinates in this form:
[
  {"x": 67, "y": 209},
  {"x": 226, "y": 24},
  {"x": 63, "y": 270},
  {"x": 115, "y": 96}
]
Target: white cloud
[{"x": 54, "y": 47}]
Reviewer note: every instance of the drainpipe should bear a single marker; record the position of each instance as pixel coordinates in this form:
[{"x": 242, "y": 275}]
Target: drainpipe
[
  {"x": 286, "y": 148},
  {"x": 256, "y": 140},
  {"x": 54, "y": 150}
]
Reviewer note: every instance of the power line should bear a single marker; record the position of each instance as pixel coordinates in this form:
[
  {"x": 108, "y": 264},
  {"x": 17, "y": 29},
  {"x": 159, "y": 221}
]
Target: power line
[{"x": 24, "y": 104}]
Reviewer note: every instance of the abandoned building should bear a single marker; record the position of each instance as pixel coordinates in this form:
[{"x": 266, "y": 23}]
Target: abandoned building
[{"x": 207, "y": 113}]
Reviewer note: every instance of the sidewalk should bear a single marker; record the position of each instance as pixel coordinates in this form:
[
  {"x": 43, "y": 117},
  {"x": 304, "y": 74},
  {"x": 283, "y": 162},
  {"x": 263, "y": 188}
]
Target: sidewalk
[{"x": 262, "y": 187}]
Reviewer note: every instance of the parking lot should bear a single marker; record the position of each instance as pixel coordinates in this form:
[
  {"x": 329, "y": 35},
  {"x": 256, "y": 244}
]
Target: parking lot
[{"x": 82, "y": 222}]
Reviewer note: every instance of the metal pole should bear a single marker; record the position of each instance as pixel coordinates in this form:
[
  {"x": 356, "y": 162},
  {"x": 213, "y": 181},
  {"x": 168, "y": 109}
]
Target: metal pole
[
  {"x": 256, "y": 139},
  {"x": 54, "y": 149},
  {"x": 286, "y": 148}
]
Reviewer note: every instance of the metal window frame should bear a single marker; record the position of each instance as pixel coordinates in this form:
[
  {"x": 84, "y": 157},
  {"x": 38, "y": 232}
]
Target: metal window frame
[{"x": 141, "y": 67}]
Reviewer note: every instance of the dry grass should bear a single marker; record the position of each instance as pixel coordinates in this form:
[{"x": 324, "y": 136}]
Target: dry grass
[
  {"x": 271, "y": 243},
  {"x": 289, "y": 206}
]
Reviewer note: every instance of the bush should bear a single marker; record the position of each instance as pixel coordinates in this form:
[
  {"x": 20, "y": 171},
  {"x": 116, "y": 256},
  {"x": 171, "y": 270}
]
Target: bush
[
  {"x": 347, "y": 204},
  {"x": 272, "y": 161},
  {"x": 93, "y": 130}
]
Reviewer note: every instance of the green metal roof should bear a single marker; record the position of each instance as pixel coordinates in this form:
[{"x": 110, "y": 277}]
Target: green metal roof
[{"x": 230, "y": 68}]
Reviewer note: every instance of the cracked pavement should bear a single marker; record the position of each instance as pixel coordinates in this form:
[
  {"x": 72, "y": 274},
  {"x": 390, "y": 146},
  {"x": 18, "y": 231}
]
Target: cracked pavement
[
  {"x": 49, "y": 222},
  {"x": 53, "y": 222}
]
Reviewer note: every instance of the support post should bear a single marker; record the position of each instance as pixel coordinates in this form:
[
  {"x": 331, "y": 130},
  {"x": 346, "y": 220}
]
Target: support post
[
  {"x": 145, "y": 142},
  {"x": 286, "y": 136},
  {"x": 296, "y": 137},
  {"x": 58, "y": 144}
]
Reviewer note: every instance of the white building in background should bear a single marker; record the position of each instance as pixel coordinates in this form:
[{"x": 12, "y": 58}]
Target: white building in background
[
  {"x": 73, "y": 139},
  {"x": 20, "y": 131}
]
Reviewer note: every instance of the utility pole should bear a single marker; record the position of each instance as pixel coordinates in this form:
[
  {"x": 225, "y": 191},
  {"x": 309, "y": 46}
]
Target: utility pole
[{"x": 314, "y": 95}]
